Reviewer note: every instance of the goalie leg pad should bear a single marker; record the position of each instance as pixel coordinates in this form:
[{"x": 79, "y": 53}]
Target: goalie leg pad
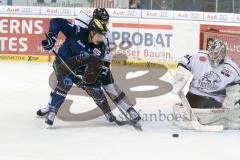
[
  {"x": 229, "y": 119},
  {"x": 181, "y": 117}
]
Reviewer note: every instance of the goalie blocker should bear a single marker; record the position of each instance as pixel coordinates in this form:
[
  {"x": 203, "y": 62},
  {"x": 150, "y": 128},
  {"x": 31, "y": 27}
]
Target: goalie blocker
[{"x": 214, "y": 92}]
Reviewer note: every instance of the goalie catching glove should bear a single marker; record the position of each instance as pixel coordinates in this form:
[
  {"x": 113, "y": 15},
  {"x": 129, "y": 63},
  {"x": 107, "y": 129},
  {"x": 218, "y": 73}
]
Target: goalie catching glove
[{"x": 232, "y": 100}]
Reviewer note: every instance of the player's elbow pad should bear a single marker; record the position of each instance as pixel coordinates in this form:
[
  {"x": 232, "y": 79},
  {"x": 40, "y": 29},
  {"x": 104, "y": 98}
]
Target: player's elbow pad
[{"x": 180, "y": 79}]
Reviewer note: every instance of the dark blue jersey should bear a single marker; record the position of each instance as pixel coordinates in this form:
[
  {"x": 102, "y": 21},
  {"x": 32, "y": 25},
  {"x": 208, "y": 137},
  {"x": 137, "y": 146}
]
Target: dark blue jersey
[
  {"x": 77, "y": 40},
  {"x": 76, "y": 45}
]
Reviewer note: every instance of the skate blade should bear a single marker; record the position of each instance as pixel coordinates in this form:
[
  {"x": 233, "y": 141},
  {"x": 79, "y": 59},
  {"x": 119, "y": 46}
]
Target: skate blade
[
  {"x": 121, "y": 123},
  {"x": 47, "y": 126},
  {"x": 137, "y": 126}
]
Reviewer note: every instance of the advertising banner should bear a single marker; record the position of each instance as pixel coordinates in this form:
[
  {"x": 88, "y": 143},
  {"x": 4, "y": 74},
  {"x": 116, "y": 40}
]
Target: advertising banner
[
  {"x": 16, "y": 10},
  {"x": 218, "y": 17},
  {"x": 149, "y": 40},
  {"x": 88, "y": 11},
  {"x": 57, "y": 11},
  {"x": 126, "y": 13},
  {"x": 187, "y": 15},
  {"x": 157, "y": 14},
  {"x": 23, "y": 35},
  {"x": 137, "y": 39}
]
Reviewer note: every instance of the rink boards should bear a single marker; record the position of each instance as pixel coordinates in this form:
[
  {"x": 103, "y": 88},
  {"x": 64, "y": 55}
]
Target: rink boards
[{"x": 147, "y": 37}]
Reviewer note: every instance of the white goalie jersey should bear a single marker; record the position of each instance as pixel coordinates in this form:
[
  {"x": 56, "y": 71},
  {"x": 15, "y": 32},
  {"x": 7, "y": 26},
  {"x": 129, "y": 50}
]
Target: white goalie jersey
[
  {"x": 83, "y": 20},
  {"x": 208, "y": 81}
]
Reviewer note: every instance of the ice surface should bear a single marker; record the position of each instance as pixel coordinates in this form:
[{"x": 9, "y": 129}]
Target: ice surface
[{"x": 24, "y": 89}]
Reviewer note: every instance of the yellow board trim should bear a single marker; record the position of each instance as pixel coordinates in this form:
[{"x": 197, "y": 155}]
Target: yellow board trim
[
  {"x": 27, "y": 58},
  {"x": 115, "y": 62}
]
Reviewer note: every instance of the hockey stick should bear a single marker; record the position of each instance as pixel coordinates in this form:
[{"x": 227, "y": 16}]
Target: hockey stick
[
  {"x": 219, "y": 114},
  {"x": 119, "y": 123},
  {"x": 194, "y": 121},
  {"x": 66, "y": 66},
  {"x": 135, "y": 125}
]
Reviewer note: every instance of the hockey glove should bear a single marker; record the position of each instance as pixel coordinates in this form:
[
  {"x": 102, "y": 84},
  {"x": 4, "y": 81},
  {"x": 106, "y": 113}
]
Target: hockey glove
[
  {"x": 180, "y": 79},
  {"x": 232, "y": 100},
  {"x": 50, "y": 41}
]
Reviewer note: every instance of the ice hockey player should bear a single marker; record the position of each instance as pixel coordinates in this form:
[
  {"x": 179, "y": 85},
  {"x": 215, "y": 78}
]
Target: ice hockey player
[
  {"x": 107, "y": 81},
  {"x": 79, "y": 42},
  {"x": 111, "y": 88},
  {"x": 214, "y": 91},
  {"x": 83, "y": 20}
]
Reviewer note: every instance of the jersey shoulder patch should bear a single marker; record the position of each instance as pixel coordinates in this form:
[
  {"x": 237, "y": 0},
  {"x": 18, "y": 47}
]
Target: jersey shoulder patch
[
  {"x": 230, "y": 64},
  {"x": 202, "y": 56}
]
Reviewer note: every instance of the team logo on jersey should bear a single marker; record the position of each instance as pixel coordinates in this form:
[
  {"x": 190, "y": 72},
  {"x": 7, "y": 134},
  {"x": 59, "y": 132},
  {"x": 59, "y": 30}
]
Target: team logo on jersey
[
  {"x": 226, "y": 72},
  {"x": 97, "y": 52},
  {"x": 188, "y": 57},
  {"x": 202, "y": 59},
  {"x": 209, "y": 81}
]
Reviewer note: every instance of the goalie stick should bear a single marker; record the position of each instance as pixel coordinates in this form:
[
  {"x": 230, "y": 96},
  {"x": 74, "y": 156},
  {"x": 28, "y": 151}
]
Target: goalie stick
[
  {"x": 222, "y": 113},
  {"x": 194, "y": 121},
  {"x": 119, "y": 123}
]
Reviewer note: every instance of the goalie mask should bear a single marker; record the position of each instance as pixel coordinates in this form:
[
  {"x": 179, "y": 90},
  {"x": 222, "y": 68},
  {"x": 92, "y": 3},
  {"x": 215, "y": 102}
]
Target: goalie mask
[{"x": 217, "y": 52}]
